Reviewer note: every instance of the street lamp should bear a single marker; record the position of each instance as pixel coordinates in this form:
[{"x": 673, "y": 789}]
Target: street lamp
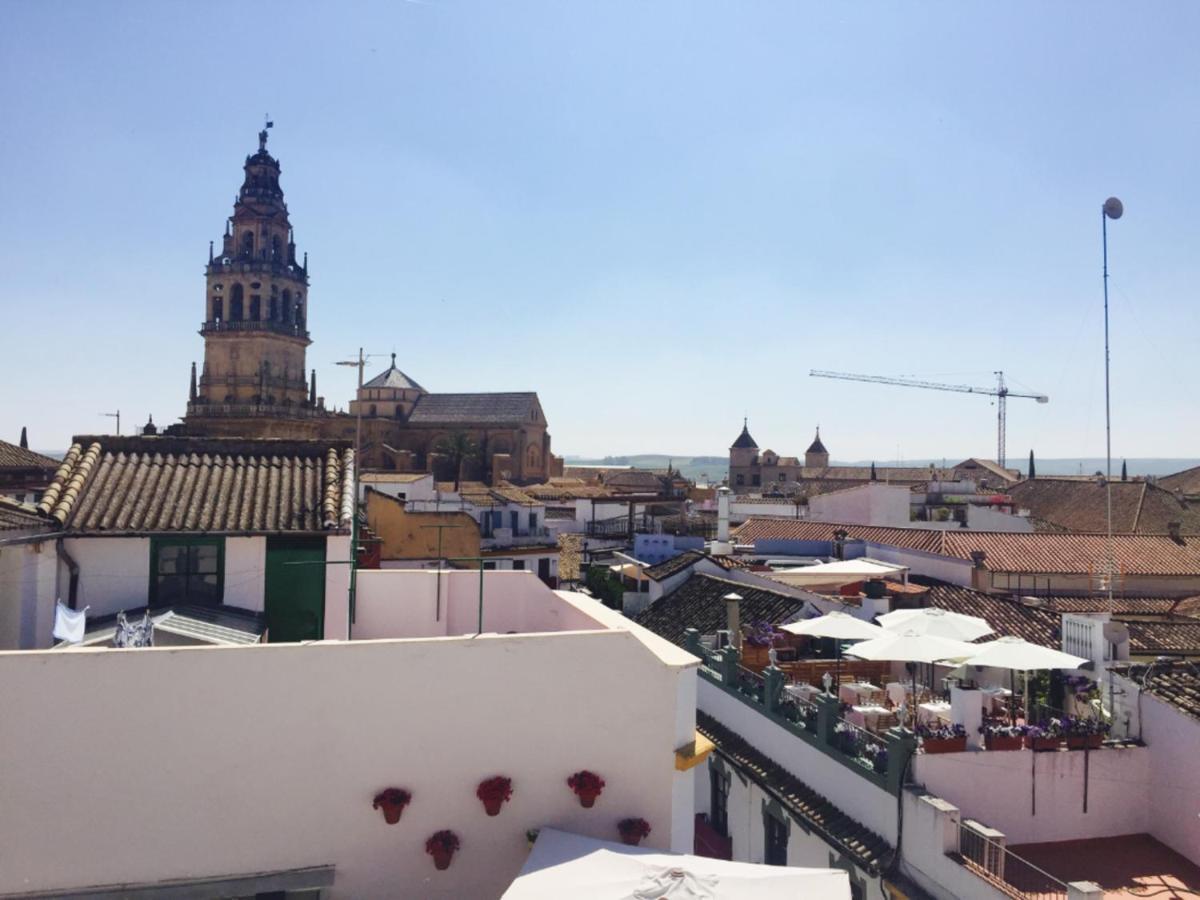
[{"x": 1112, "y": 209}]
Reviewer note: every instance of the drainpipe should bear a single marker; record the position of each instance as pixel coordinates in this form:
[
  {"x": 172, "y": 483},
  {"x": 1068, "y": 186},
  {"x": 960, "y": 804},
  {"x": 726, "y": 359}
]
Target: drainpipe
[{"x": 72, "y": 568}]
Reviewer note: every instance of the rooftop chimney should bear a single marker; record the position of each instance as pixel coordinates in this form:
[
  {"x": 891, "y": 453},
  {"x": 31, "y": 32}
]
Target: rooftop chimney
[
  {"x": 733, "y": 603},
  {"x": 723, "y": 494},
  {"x": 1174, "y": 530}
]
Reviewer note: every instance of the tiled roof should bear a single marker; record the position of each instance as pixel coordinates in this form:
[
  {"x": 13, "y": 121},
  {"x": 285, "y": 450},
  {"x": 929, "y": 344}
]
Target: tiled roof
[
  {"x": 472, "y": 409},
  {"x": 816, "y": 446},
  {"x": 633, "y": 481},
  {"x": 1137, "y": 506},
  {"x": 1177, "y": 683},
  {"x": 1072, "y": 554},
  {"x": 865, "y": 847},
  {"x": 514, "y": 494},
  {"x": 166, "y": 484},
  {"x": 566, "y": 489},
  {"x": 393, "y": 378},
  {"x": 674, "y": 565},
  {"x": 1140, "y": 606},
  {"x": 14, "y": 456},
  {"x": 760, "y": 529},
  {"x": 570, "y": 554},
  {"x": 16, "y": 516},
  {"x": 1150, "y": 638},
  {"x": 744, "y": 441},
  {"x": 480, "y": 494},
  {"x": 1186, "y": 482},
  {"x": 991, "y": 467},
  {"x": 697, "y": 604},
  {"x": 392, "y": 477},
  {"x": 1006, "y": 616}
]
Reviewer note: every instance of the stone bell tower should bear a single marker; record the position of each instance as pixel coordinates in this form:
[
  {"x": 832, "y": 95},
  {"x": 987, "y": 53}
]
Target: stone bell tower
[{"x": 255, "y": 310}]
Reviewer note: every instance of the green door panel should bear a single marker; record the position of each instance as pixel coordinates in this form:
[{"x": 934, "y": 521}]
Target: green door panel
[{"x": 295, "y": 589}]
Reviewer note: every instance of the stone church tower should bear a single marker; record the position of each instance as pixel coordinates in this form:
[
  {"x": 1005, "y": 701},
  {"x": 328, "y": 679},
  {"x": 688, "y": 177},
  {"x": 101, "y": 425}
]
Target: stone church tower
[{"x": 254, "y": 330}]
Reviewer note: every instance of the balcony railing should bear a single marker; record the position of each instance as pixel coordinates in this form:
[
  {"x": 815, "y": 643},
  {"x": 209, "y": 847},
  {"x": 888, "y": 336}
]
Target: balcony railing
[
  {"x": 880, "y": 758},
  {"x": 249, "y": 410},
  {"x": 1012, "y": 874},
  {"x": 221, "y": 326}
]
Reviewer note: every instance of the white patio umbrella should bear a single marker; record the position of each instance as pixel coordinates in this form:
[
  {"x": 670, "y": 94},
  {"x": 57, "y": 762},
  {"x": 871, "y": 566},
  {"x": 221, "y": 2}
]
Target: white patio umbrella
[
  {"x": 912, "y": 646},
  {"x": 837, "y": 625},
  {"x": 1014, "y": 653},
  {"x": 937, "y": 622}
]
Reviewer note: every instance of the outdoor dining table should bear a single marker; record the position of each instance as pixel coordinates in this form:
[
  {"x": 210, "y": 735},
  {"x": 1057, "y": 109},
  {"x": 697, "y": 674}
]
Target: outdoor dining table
[
  {"x": 997, "y": 698},
  {"x": 803, "y": 691},
  {"x": 899, "y": 692},
  {"x": 932, "y": 712},
  {"x": 868, "y": 717},
  {"x": 857, "y": 692}
]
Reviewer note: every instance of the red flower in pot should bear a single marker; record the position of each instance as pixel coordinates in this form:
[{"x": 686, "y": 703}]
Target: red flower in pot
[
  {"x": 494, "y": 792},
  {"x": 587, "y": 785},
  {"x": 441, "y": 847},
  {"x": 633, "y": 830},
  {"x": 392, "y": 801}
]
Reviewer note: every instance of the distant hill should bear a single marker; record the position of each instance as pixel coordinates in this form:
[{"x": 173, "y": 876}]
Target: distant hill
[{"x": 715, "y": 468}]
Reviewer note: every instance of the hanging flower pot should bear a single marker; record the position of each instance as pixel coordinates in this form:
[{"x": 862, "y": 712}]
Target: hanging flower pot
[
  {"x": 587, "y": 786},
  {"x": 633, "y": 830},
  {"x": 392, "y": 801},
  {"x": 441, "y": 847},
  {"x": 494, "y": 792}
]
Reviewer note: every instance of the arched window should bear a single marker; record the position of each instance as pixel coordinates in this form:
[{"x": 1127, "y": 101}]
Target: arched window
[
  {"x": 255, "y": 308},
  {"x": 275, "y": 249},
  {"x": 235, "y": 304},
  {"x": 372, "y": 412},
  {"x": 247, "y": 244},
  {"x": 218, "y": 309},
  {"x": 287, "y": 306},
  {"x": 299, "y": 313}
]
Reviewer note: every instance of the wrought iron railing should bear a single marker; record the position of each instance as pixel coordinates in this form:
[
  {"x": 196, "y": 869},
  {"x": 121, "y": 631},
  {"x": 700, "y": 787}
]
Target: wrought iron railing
[
  {"x": 221, "y": 326},
  {"x": 1013, "y": 874}
]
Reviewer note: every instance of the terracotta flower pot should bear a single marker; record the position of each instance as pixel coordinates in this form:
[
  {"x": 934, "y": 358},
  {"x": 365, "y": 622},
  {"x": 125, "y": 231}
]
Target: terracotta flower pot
[
  {"x": 1041, "y": 744},
  {"x": 441, "y": 859},
  {"x": 391, "y": 812},
  {"x": 392, "y": 801},
  {"x": 1003, "y": 741},
  {"x": 632, "y": 838},
  {"x": 492, "y": 805},
  {"x": 587, "y": 799},
  {"x": 944, "y": 745}
]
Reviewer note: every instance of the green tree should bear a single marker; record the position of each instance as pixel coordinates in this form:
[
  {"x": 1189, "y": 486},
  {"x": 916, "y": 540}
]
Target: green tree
[{"x": 457, "y": 449}]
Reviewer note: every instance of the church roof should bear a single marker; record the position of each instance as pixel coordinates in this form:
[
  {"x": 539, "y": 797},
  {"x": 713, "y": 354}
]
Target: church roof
[
  {"x": 744, "y": 440},
  {"x": 393, "y": 378},
  {"x": 816, "y": 446},
  {"x": 474, "y": 409}
]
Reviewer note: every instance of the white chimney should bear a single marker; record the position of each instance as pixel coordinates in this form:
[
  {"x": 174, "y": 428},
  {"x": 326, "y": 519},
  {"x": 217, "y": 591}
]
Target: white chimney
[{"x": 723, "y": 494}]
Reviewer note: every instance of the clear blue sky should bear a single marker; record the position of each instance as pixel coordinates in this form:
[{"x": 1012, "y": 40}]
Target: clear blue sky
[{"x": 658, "y": 215}]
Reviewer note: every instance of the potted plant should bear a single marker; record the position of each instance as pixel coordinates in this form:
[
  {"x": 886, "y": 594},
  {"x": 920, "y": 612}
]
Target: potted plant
[
  {"x": 494, "y": 792},
  {"x": 633, "y": 830},
  {"x": 587, "y": 786},
  {"x": 441, "y": 847},
  {"x": 1045, "y": 735},
  {"x": 1003, "y": 737},
  {"x": 876, "y": 755},
  {"x": 845, "y": 738},
  {"x": 1084, "y": 733},
  {"x": 392, "y": 801},
  {"x": 940, "y": 738}
]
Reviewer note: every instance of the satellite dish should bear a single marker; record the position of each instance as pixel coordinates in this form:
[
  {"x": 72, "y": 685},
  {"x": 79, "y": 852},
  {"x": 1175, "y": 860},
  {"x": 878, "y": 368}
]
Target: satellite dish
[{"x": 1113, "y": 208}]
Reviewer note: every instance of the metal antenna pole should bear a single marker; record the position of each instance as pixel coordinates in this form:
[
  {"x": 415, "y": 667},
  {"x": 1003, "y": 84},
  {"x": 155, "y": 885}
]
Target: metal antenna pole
[
  {"x": 1001, "y": 420},
  {"x": 1107, "y": 415}
]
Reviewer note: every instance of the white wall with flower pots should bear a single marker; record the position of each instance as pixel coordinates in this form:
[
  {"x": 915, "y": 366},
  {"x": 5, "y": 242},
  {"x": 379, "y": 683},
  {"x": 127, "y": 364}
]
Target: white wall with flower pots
[
  {"x": 138, "y": 766},
  {"x": 1039, "y": 797}
]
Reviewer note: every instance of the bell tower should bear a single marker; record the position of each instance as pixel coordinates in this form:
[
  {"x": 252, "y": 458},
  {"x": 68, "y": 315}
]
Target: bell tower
[{"x": 255, "y": 309}]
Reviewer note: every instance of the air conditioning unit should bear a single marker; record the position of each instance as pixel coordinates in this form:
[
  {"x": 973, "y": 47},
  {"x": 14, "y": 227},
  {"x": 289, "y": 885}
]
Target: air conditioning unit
[{"x": 983, "y": 846}]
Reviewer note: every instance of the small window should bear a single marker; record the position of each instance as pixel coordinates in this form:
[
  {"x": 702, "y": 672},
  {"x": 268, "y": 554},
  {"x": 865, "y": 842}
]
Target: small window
[
  {"x": 519, "y": 564},
  {"x": 783, "y": 476},
  {"x": 489, "y": 566},
  {"x": 755, "y": 480},
  {"x": 186, "y": 571},
  {"x": 741, "y": 479},
  {"x": 775, "y": 841},
  {"x": 533, "y": 520}
]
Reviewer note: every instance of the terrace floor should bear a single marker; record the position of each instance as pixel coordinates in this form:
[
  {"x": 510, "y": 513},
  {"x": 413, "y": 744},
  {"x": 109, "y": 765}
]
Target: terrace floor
[{"x": 1133, "y": 865}]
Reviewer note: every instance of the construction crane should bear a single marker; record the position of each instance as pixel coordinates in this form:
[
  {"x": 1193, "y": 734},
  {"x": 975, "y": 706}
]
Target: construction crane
[{"x": 1000, "y": 392}]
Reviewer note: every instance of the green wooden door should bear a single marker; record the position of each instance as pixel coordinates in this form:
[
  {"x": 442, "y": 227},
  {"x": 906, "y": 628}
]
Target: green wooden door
[{"x": 295, "y": 589}]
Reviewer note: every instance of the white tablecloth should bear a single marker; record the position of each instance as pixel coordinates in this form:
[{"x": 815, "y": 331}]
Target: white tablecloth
[
  {"x": 858, "y": 692},
  {"x": 867, "y": 716},
  {"x": 803, "y": 691},
  {"x": 932, "y": 712}
]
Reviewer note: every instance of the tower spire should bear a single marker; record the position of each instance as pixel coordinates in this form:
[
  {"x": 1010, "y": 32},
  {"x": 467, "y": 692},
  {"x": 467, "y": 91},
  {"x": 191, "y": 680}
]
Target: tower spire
[
  {"x": 192, "y": 393},
  {"x": 24, "y": 438},
  {"x": 312, "y": 389}
]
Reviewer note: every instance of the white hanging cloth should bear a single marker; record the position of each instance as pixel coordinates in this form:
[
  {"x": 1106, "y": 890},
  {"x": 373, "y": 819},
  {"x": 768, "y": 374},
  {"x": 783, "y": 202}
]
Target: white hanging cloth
[{"x": 70, "y": 625}]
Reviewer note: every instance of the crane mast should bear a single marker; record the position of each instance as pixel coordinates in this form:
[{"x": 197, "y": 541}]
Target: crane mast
[{"x": 1000, "y": 392}]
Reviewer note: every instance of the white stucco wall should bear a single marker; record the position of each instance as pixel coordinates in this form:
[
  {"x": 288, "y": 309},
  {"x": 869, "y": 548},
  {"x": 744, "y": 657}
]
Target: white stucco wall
[
  {"x": 114, "y": 572},
  {"x": 28, "y": 590},
  {"x": 337, "y": 587},
  {"x": 252, "y": 759},
  {"x": 245, "y": 572},
  {"x": 1038, "y": 797}
]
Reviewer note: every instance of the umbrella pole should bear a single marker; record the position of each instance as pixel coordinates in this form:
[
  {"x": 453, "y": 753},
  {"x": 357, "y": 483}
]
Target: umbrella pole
[
  {"x": 837, "y": 664},
  {"x": 1012, "y": 693},
  {"x": 914, "y": 699}
]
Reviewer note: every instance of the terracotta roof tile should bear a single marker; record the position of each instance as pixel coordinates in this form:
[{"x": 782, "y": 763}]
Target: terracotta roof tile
[
  {"x": 14, "y": 456},
  {"x": 1177, "y": 683},
  {"x": 469, "y": 409},
  {"x": 697, "y": 604},
  {"x": 1074, "y": 505},
  {"x": 16, "y": 516},
  {"x": 759, "y": 529},
  {"x": 1007, "y": 616},
  {"x": 165, "y": 484}
]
